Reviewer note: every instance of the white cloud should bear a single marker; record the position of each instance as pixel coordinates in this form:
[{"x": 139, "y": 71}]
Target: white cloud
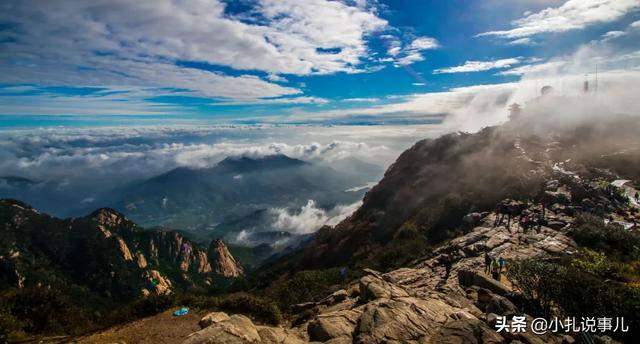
[
  {"x": 635, "y": 24},
  {"x": 144, "y": 44},
  {"x": 276, "y": 101},
  {"x": 410, "y": 58},
  {"x": 571, "y": 15},
  {"x": 119, "y": 100},
  {"x": 535, "y": 69},
  {"x": 473, "y": 107},
  {"x": 276, "y": 78},
  {"x": 613, "y": 35},
  {"x": 413, "y": 52},
  {"x": 424, "y": 43},
  {"x": 479, "y": 66},
  {"x": 394, "y": 51},
  {"x": 360, "y": 100},
  {"x": 310, "y": 218},
  {"x": 104, "y": 157},
  {"x": 523, "y": 41}
]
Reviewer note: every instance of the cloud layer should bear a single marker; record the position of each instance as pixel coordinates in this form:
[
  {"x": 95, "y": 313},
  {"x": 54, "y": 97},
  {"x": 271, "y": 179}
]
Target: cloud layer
[
  {"x": 479, "y": 66},
  {"x": 91, "y": 160},
  {"x": 571, "y": 15},
  {"x": 310, "y": 218},
  {"x": 145, "y": 44}
]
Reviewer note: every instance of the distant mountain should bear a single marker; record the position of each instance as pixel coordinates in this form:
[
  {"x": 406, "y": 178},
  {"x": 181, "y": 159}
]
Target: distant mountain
[
  {"x": 104, "y": 254},
  {"x": 235, "y": 194}
]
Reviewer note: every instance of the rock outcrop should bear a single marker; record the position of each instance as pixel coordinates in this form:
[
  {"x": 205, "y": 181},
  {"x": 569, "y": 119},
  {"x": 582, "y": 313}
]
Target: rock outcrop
[
  {"x": 418, "y": 304},
  {"x": 218, "y": 327},
  {"x": 222, "y": 261},
  {"x": 105, "y": 252}
]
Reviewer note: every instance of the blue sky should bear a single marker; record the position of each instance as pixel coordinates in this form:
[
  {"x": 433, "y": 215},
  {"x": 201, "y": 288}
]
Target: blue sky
[{"x": 291, "y": 61}]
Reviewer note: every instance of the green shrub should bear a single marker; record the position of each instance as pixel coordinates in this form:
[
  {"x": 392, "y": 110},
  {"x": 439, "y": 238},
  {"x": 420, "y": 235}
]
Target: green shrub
[
  {"x": 246, "y": 303},
  {"x": 552, "y": 289},
  {"x": 10, "y": 327},
  {"x": 140, "y": 308},
  {"x": 304, "y": 286},
  {"x": 407, "y": 245},
  {"x": 529, "y": 277},
  {"x": 44, "y": 311},
  {"x": 615, "y": 241}
]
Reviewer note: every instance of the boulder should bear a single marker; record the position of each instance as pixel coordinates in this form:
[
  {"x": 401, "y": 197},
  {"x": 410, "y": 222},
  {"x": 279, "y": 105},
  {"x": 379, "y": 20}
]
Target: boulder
[
  {"x": 334, "y": 298},
  {"x": 277, "y": 335},
  {"x": 470, "y": 278},
  {"x": 556, "y": 224},
  {"x": 238, "y": 329},
  {"x": 333, "y": 325},
  {"x": 498, "y": 239},
  {"x": 472, "y": 219},
  {"x": 373, "y": 287},
  {"x": 401, "y": 320},
  {"x": 212, "y": 318},
  {"x": 492, "y": 303}
]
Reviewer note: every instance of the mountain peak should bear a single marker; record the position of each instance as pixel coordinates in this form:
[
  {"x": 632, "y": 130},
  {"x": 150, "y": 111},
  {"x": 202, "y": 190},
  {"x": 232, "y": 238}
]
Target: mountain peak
[
  {"x": 245, "y": 163},
  {"x": 108, "y": 217},
  {"x": 222, "y": 261}
]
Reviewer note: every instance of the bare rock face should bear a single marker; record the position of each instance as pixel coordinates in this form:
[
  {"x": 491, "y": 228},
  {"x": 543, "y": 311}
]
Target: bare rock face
[
  {"x": 278, "y": 335},
  {"x": 222, "y": 262},
  {"x": 212, "y": 318},
  {"x": 162, "y": 285},
  {"x": 373, "y": 287},
  {"x": 108, "y": 217},
  {"x": 333, "y": 325},
  {"x": 141, "y": 260},
  {"x": 124, "y": 249},
  {"x": 238, "y": 329},
  {"x": 220, "y": 328}
]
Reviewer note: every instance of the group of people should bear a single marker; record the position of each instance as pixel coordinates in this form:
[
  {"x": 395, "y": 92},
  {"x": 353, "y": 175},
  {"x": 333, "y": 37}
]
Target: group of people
[
  {"x": 494, "y": 267},
  {"x": 527, "y": 219}
]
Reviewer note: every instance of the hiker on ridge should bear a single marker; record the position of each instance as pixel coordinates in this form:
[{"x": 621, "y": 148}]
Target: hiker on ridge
[
  {"x": 487, "y": 263},
  {"x": 498, "y": 216},
  {"x": 447, "y": 261},
  {"x": 495, "y": 272},
  {"x": 501, "y": 264}
]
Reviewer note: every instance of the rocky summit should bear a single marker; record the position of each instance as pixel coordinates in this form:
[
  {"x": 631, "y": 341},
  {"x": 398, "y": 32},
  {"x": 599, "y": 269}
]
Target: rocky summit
[{"x": 223, "y": 262}]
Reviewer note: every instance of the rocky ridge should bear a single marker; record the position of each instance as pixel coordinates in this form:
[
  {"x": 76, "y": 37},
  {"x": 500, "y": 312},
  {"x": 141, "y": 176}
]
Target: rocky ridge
[
  {"x": 106, "y": 251},
  {"x": 420, "y": 304}
]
